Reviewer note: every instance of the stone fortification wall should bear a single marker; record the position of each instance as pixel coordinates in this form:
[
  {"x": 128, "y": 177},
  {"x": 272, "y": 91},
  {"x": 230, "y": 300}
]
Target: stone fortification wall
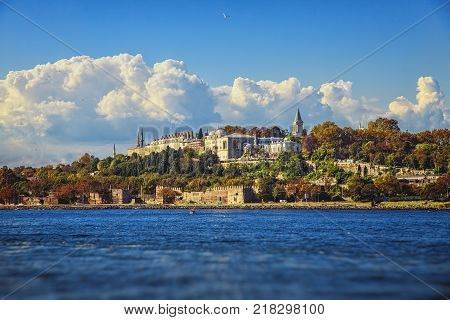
[{"x": 216, "y": 195}]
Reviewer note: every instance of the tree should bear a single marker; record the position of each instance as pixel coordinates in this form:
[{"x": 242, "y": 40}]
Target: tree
[
  {"x": 295, "y": 166},
  {"x": 8, "y": 195},
  {"x": 277, "y": 132},
  {"x": 438, "y": 190},
  {"x": 369, "y": 192},
  {"x": 310, "y": 144},
  {"x": 200, "y": 134},
  {"x": 67, "y": 193},
  {"x": 384, "y": 124},
  {"x": 85, "y": 185},
  {"x": 102, "y": 165},
  {"x": 393, "y": 160},
  {"x": 169, "y": 195},
  {"x": 323, "y": 153},
  {"x": 443, "y": 185},
  {"x": 423, "y": 154},
  {"x": 187, "y": 165},
  {"x": 327, "y": 133},
  {"x": 8, "y": 177},
  {"x": 279, "y": 192},
  {"x": 441, "y": 159},
  {"x": 388, "y": 185},
  {"x": 198, "y": 184},
  {"x": 174, "y": 162},
  {"x": 235, "y": 129},
  {"x": 361, "y": 189},
  {"x": 341, "y": 176},
  {"x": 300, "y": 189},
  {"x": 265, "y": 187},
  {"x": 38, "y": 187}
]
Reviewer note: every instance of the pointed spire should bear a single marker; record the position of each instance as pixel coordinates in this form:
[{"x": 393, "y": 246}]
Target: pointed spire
[
  {"x": 298, "y": 117},
  {"x": 297, "y": 126}
]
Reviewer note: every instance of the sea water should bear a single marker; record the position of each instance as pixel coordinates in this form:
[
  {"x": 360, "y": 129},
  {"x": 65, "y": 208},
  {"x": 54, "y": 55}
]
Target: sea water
[{"x": 224, "y": 254}]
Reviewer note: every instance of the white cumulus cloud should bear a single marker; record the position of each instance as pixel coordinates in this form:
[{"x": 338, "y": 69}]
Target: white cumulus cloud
[
  {"x": 347, "y": 109},
  {"x": 429, "y": 112},
  {"x": 250, "y": 102},
  {"x": 57, "y": 111},
  {"x": 83, "y": 100}
]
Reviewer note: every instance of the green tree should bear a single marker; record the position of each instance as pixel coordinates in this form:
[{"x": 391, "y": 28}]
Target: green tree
[
  {"x": 102, "y": 165},
  {"x": 200, "y": 134},
  {"x": 439, "y": 190},
  {"x": 265, "y": 187},
  {"x": 388, "y": 185},
  {"x": 384, "y": 124},
  {"x": 361, "y": 189},
  {"x": 279, "y": 192}
]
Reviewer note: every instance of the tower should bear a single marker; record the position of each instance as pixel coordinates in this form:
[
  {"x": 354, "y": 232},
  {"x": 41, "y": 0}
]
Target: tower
[
  {"x": 114, "y": 150},
  {"x": 297, "y": 125},
  {"x": 140, "y": 138}
]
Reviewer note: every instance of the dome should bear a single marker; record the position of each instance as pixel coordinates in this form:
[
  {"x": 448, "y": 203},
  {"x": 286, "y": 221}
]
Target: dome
[{"x": 220, "y": 133}]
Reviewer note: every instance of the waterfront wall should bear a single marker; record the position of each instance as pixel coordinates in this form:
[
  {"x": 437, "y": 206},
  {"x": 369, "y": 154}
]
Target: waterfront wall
[{"x": 216, "y": 195}]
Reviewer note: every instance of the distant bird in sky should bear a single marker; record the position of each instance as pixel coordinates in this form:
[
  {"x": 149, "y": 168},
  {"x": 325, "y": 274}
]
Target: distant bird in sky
[{"x": 225, "y": 16}]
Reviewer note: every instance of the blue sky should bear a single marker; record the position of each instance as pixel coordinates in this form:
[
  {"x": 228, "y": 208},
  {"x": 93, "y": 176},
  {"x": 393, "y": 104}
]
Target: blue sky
[
  {"x": 311, "y": 40},
  {"x": 297, "y": 46}
]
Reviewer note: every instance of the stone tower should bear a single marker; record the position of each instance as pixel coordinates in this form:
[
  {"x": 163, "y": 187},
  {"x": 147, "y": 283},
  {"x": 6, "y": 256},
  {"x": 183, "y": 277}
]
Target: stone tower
[
  {"x": 297, "y": 125},
  {"x": 140, "y": 138}
]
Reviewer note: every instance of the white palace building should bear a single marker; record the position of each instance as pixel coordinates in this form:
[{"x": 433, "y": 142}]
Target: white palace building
[{"x": 228, "y": 147}]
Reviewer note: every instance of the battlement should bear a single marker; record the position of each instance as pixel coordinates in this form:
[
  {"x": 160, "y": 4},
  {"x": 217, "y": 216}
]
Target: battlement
[
  {"x": 183, "y": 135},
  {"x": 215, "y": 195},
  {"x": 232, "y": 188},
  {"x": 160, "y": 188},
  {"x": 224, "y": 188}
]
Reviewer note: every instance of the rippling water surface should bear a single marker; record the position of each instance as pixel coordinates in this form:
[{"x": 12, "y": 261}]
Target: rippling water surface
[{"x": 230, "y": 254}]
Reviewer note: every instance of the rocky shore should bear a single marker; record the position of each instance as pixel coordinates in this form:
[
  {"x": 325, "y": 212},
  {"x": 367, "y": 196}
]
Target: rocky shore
[{"x": 410, "y": 205}]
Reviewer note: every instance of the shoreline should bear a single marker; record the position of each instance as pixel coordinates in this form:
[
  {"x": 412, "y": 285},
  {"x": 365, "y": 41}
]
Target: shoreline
[{"x": 409, "y": 205}]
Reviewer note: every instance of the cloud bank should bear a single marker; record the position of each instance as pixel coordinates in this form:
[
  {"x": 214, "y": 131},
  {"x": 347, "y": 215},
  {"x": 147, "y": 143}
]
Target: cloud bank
[
  {"x": 428, "y": 112},
  {"x": 55, "y": 112}
]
